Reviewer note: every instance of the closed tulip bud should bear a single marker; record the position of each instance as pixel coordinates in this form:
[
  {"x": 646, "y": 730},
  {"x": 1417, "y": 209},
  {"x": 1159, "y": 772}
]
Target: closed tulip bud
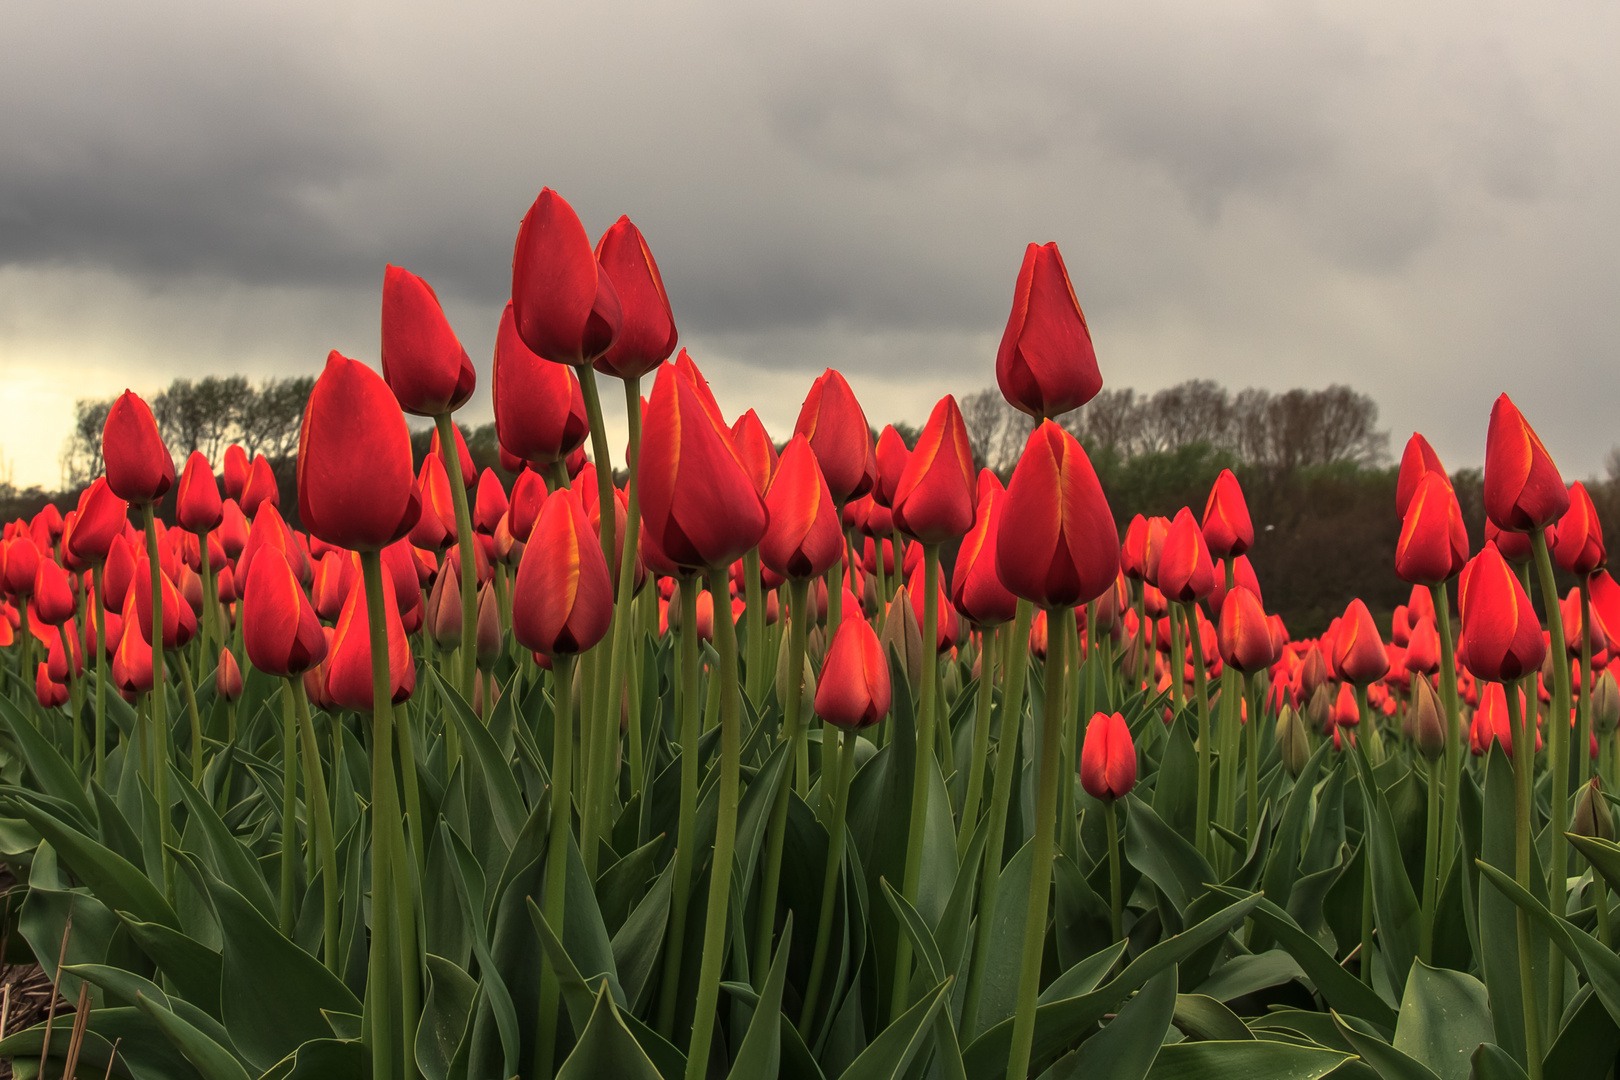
[
  {"x": 1107, "y": 758},
  {"x": 539, "y": 406},
  {"x": 270, "y": 531},
  {"x": 647, "y": 334},
  {"x": 1428, "y": 720},
  {"x": 902, "y": 635},
  {"x": 422, "y": 359},
  {"x": 262, "y": 488},
  {"x": 353, "y": 419},
  {"x": 1523, "y": 490},
  {"x": 139, "y": 468},
  {"x": 1417, "y": 461},
  {"x": 1226, "y": 526},
  {"x": 528, "y": 496},
  {"x": 116, "y": 574},
  {"x": 1423, "y": 648},
  {"x": 1158, "y": 528},
  {"x": 1358, "y": 652},
  {"x": 50, "y": 694},
  {"x": 854, "y": 690},
  {"x": 698, "y": 503},
  {"x": 1245, "y": 636},
  {"x": 348, "y": 664},
  {"x": 803, "y": 538},
  {"x": 1605, "y": 703},
  {"x": 490, "y": 638},
  {"x": 490, "y": 504},
  {"x": 1575, "y": 627},
  {"x": 1056, "y": 542},
  {"x": 784, "y": 679},
  {"x": 179, "y": 621},
  {"x": 1243, "y": 576},
  {"x": 226, "y": 586},
  {"x": 469, "y": 471},
  {"x": 1577, "y": 544},
  {"x": 234, "y": 529},
  {"x": 443, "y": 616},
  {"x": 1433, "y": 544},
  {"x": 132, "y": 661},
  {"x": 335, "y": 575},
  {"x": 102, "y": 518},
  {"x": 53, "y": 594},
  {"x": 1592, "y": 816},
  {"x": 1501, "y": 634},
  {"x": 1319, "y": 708},
  {"x": 976, "y": 588},
  {"x": 1292, "y": 741},
  {"x": 280, "y": 630},
  {"x": 435, "y": 529},
  {"x": 890, "y": 459},
  {"x": 1514, "y": 546},
  {"x": 197, "y": 506},
  {"x": 228, "y": 676},
  {"x": 562, "y": 600},
  {"x": 946, "y": 629},
  {"x": 21, "y": 565},
  {"x": 1133, "y": 551},
  {"x": 236, "y": 471},
  {"x": 508, "y": 549},
  {"x": 832, "y": 420},
  {"x": 933, "y": 502},
  {"x": 1046, "y": 364},
  {"x": 755, "y": 450},
  {"x": 563, "y": 303},
  {"x": 1186, "y": 571}
]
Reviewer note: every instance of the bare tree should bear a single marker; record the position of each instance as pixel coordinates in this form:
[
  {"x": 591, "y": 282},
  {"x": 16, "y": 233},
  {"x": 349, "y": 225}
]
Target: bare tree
[
  {"x": 982, "y": 415},
  {"x": 202, "y": 415},
  {"x": 270, "y": 425},
  {"x": 81, "y": 451}
]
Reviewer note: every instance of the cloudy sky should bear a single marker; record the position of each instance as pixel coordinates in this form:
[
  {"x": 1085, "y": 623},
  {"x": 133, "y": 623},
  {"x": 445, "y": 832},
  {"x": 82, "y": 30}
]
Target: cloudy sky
[{"x": 1420, "y": 200}]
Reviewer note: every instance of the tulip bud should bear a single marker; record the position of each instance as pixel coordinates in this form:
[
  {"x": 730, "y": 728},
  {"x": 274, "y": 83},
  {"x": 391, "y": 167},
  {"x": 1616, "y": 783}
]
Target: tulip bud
[
  {"x": 784, "y": 672},
  {"x": 1046, "y": 364},
  {"x": 139, "y": 468},
  {"x": 228, "y": 676},
  {"x": 1319, "y": 708},
  {"x": 1428, "y": 720},
  {"x": 1056, "y": 544},
  {"x": 489, "y": 637},
  {"x": 1186, "y": 571},
  {"x": 1107, "y": 758},
  {"x": 280, "y": 630},
  {"x": 1605, "y": 703},
  {"x": 902, "y": 635},
  {"x": 854, "y": 690},
  {"x": 539, "y": 406},
  {"x": 1358, "y": 652},
  {"x": 891, "y": 456},
  {"x": 1433, "y": 545},
  {"x": 1592, "y": 816},
  {"x": 564, "y": 304},
  {"x": 1226, "y": 526},
  {"x": 934, "y": 499},
  {"x": 1577, "y": 544},
  {"x": 1523, "y": 490},
  {"x": 755, "y": 450},
  {"x": 647, "y": 334},
  {"x": 832, "y": 420},
  {"x": 562, "y": 600},
  {"x": 1501, "y": 634},
  {"x": 422, "y": 360},
  {"x": 803, "y": 538},
  {"x": 197, "y": 506},
  {"x": 1292, "y": 741}
]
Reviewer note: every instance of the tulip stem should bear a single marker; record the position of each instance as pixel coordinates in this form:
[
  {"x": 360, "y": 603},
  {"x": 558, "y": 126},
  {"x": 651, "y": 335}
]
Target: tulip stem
[
  {"x": 1178, "y": 677},
  {"x": 210, "y": 596},
  {"x": 1584, "y": 736},
  {"x": 725, "y": 830},
  {"x": 754, "y": 602},
  {"x": 923, "y": 775},
  {"x": 604, "y": 749},
  {"x": 1524, "y": 767},
  {"x": 1058, "y": 622},
  {"x": 603, "y": 714},
  {"x": 1115, "y": 905},
  {"x": 1441, "y": 603},
  {"x": 793, "y": 734},
  {"x": 159, "y": 716},
  {"x": 691, "y": 721},
  {"x": 450, "y": 455},
  {"x": 101, "y": 677},
  {"x": 289, "y": 813},
  {"x": 315, "y": 781},
  {"x": 1012, "y": 713},
  {"x": 981, "y": 741},
  {"x": 73, "y": 694},
  {"x": 845, "y": 766},
  {"x": 1431, "y": 854},
  {"x": 562, "y": 815},
  {"x": 1558, "y": 758},
  {"x": 1205, "y": 735},
  {"x": 793, "y": 707}
]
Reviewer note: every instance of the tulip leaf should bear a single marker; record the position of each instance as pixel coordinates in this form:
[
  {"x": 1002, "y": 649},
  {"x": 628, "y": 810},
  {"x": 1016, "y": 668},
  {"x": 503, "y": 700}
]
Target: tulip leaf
[
  {"x": 446, "y": 1014},
  {"x": 469, "y": 888},
  {"x": 607, "y": 1048},
  {"x": 497, "y": 782},
  {"x": 227, "y": 857},
  {"x": 112, "y": 878},
  {"x": 1498, "y": 925},
  {"x": 1163, "y": 856},
  {"x": 1586, "y": 1047},
  {"x": 760, "y": 1055},
  {"x": 209, "y": 1058},
  {"x": 1252, "y": 1060},
  {"x": 1126, "y": 1046},
  {"x": 1444, "y": 1016},
  {"x": 640, "y": 940},
  {"x": 192, "y": 967},
  {"x": 1394, "y": 902},
  {"x": 1491, "y": 1062},
  {"x": 1604, "y": 855},
  {"x": 888, "y": 1056},
  {"x": 1203, "y": 1017},
  {"x": 1390, "y": 1063},
  {"x": 56, "y": 777}
]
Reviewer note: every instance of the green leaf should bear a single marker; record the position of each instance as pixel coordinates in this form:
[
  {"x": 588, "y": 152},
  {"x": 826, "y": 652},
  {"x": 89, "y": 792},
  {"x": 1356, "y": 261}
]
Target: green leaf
[
  {"x": 497, "y": 780},
  {"x": 760, "y": 1055},
  {"x": 209, "y": 1058},
  {"x": 1243, "y": 975},
  {"x": 446, "y": 1013},
  {"x": 1283, "y": 865},
  {"x": 606, "y": 1048},
  {"x": 1163, "y": 856},
  {"x": 889, "y": 1055},
  {"x": 1445, "y": 1015},
  {"x": 1394, "y": 902},
  {"x": 1604, "y": 855},
  {"x": 1253, "y": 1060},
  {"x": 467, "y": 875},
  {"x": 1205, "y": 1018},
  {"x": 55, "y": 775},
  {"x": 922, "y": 941},
  {"x": 233, "y": 863},
  {"x": 1175, "y": 788},
  {"x": 192, "y": 967},
  {"x": 1498, "y": 925},
  {"x": 321, "y": 1059},
  {"x": 1125, "y": 1048},
  {"x": 1083, "y": 977},
  {"x": 1390, "y": 1063},
  {"x": 1491, "y": 1062},
  {"x": 112, "y": 878},
  {"x": 639, "y": 942}
]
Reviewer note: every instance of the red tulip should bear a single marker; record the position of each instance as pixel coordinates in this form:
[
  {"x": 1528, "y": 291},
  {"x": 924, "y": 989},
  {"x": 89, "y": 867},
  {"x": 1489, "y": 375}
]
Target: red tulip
[
  {"x": 436, "y": 528},
  {"x": 280, "y": 630},
  {"x": 270, "y": 531},
  {"x": 1423, "y": 648},
  {"x": 853, "y": 691},
  {"x": 1185, "y": 570},
  {"x": 139, "y": 468},
  {"x": 803, "y": 538},
  {"x": 262, "y": 487},
  {"x": 355, "y": 482},
  {"x": 756, "y": 451},
  {"x": 1501, "y": 635},
  {"x": 528, "y": 496},
  {"x": 228, "y": 676},
  {"x": 1046, "y": 364},
  {"x": 469, "y": 471},
  {"x": 489, "y": 638},
  {"x": 422, "y": 359},
  {"x": 1107, "y": 758},
  {"x": 1523, "y": 490},
  {"x": 698, "y": 503},
  {"x": 1417, "y": 461},
  {"x": 1433, "y": 545},
  {"x": 335, "y": 575},
  {"x": 236, "y": 471},
  {"x": 1245, "y": 634},
  {"x": 562, "y": 601},
  {"x": 348, "y": 663},
  {"x": 132, "y": 660},
  {"x": 233, "y": 531},
  {"x": 946, "y": 630},
  {"x": 539, "y": 406},
  {"x": 1242, "y": 575},
  {"x": 564, "y": 305},
  {"x": 647, "y": 335},
  {"x": 832, "y": 420},
  {"x": 934, "y": 500},
  {"x": 179, "y": 620},
  {"x": 1358, "y": 651},
  {"x": 1056, "y": 544},
  {"x": 1574, "y": 629},
  {"x": 1577, "y": 544},
  {"x": 21, "y": 565},
  {"x": 53, "y": 593},
  {"x": 976, "y": 588},
  {"x": 1227, "y": 529},
  {"x": 891, "y": 456},
  {"x": 1133, "y": 550},
  {"x": 51, "y": 694},
  {"x": 197, "y": 506},
  {"x": 103, "y": 516},
  {"x": 443, "y": 617},
  {"x": 490, "y": 505}
]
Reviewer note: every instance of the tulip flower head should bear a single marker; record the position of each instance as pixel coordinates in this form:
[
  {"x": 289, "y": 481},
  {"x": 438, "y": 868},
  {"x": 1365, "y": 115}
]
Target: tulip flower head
[
  {"x": 564, "y": 304},
  {"x": 1358, "y": 651},
  {"x": 803, "y": 538},
  {"x": 197, "y": 506},
  {"x": 1245, "y": 634},
  {"x": 853, "y": 691},
  {"x": 347, "y": 667},
  {"x": 647, "y": 334},
  {"x": 280, "y": 629},
  {"x": 1523, "y": 490},
  {"x": 1046, "y": 364},
  {"x": 976, "y": 588},
  {"x": 1186, "y": 571},
  {"x": 1417, "y": 461},
  {"x": 755, "y": 450},
  {"x": 891, "y": 456},
  {"x": 539, "y": 406},
  {"x": 1226, "y": 526},
  {"x": 1577, "y": 544},
  {"x": 1433, "y": 545},
  {"x": 1108, "y": 758},
  {"x": 832, "y": 420},
  {"x": 139, "y": 468},
  {"x": 262, "y": 487},
  {"x": 562, "y": 600},
  {"x": 422, "y": 359},
  {"x": 228, "y": 675},
  {"x": 1056, "y": 543},
  {"x": 934, "y": 499},
  {"x": 1501, "y": 633}
]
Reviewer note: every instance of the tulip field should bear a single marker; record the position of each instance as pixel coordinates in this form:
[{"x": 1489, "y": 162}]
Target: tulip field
[{"x": 806, "y": 755}]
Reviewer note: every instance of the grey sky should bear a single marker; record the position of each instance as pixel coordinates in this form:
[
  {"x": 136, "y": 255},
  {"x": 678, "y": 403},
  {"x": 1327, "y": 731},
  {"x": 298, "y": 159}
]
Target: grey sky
[{"x": 1419, "y": 200}]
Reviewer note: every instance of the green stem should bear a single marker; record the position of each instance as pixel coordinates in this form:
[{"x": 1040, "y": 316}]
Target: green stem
[
  {"x": 1584, "y": 736},
  {"x": 1558, "y": 758},
  {"x": 192, "y": 716},
  {"x": 1524, "y": 767},
  {"x": 981, "y": 741},
  {"x": 725, "y": 832},
  {"x": 1448, "y": 697},
  {"x": 331, "y": 885},
  {"x": 1205, "y": 735},
  {"x": 73, "y": 694},
  {"x": 1431, "y": 855},
  {"x": 793, "y": 734},
  {"x": 562, "y": 755},
  {"x": 1012, "y": 712},
  {"x": 1252, "y": 729},
  {"x": 923, "y": 775},
  {"x": 450, "y": 454},
  {"x": 101, "y": 679},
  {"x": 691, "y": 720},
  {"x": 289, "y": 814},
  {"x": 829, "y": 883},
  {"x": 1177, "y": 685},
  {"x": 1366, "y": 862},
  {"x": 754, "y": 601},
  {"x": 160, "y": 717},
  {"x": 1115, "y": 905},
  {"x": 1029, "y": 975},
  {"x": 798, "y": 620},
  {"x": 210, "y": 611}
]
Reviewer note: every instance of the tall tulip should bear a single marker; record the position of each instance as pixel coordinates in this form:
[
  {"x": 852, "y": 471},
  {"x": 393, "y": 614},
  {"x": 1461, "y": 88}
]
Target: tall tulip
[
  {"x": 1226, "y": 526},
  {"x": 1417, "y": 461},
  {"x": 562, "y": 599},
  {"x": 280, "y": 629},
  {"x": 1523, "y": 490},
  {"x": 139, "y": 468},
  {"x": 564, "y": 304},
  {"x": 1501, "y": 635},
  {"x": 539, "y": 407},
  {"x": 1433, "y": 545},
  {"x": 261, "y": 488},
  {"x": 1108, "y": 773},
  {"x": 934, "y": 498},
  {"x": 422, "y": 359},
  {"x": 803, "y": 538},
  {"x": 833, "y": 422},
  {"x": 1577, "y": 545},
  {"x": 1057, "y": 545},
  {"x": 1046, "y": 364},
  {"x": 647, "y": 334}
]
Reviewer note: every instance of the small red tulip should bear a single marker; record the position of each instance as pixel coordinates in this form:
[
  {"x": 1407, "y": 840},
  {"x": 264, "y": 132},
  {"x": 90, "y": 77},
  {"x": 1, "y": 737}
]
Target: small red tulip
[
  {"x": 1433, "y": 544},
  {"x": 562, "y": 600},
  {"x": 1501, "y": 634},
  {"x": 53, "y": 593},
  {"x": 647, "y": 334},
  {"x": 435, "y": 530},
  {"x": 1417, "y": 461},
  {"x": 469, "y": 471},
  {"x": 1186, "y": 571},
  {"x": 1227, "y": 529},
  {"x": 755, "y": 450},
  {"x": 490, "y": 504},
  {"x": 489, "y": 637},
  {"x": 563, "y": 303},
  {"x": 976, "y": 588},
  {"x": 1242, "y": 575},
  {"x": 854, "y": 690},
  {"x": 1133, "y": 550},
  {"x": 832, "y": 420},
  {"x": 228, "y": 676},
  {"x": 1107, "y": 758},
  {"x": 443, "y": 616},
  {"x": 539, "y": 406},
  {"x": 50, "y": 694},
  {"x": 422, "y": 359},
  {"x": 1046, "y": 364},
  {"x": 348, "y": 662},
  {"x": 1245, "y": 634},
  {"x": 236, "y": 471},
  {"x": 103, "y": 516},
  {"x": 934, "y": 499},
  {"x": 280, "y": 630},
  {"x": 891, "y": 456},
  {"x": 1358, "y": 651},
  {"x": 1577, "y": 544},
  {"x": 179, "y": 621},
  {"x": 1423, "y": 648},
  {"x": 233, "y": 531},
  {"x": 262, "y": 487},
  {"x": 356, "y": 487},
  {"x": 197, "y": 505},
  {"x": 139, "y": 468},
  {"x": 1056, "y": 544},
  {"x": 803, "y": 538},
  {"x": 1523, "y": 490}
]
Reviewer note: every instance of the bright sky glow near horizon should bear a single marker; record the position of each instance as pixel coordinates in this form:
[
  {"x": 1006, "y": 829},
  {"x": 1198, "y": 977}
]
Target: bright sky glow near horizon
[{"x": 1420, "y": 201}]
